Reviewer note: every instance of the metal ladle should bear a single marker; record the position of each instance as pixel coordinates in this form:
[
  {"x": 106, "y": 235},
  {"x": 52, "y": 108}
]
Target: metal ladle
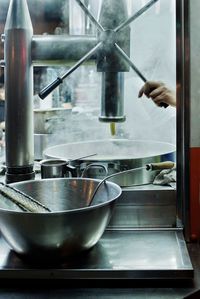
[{"x": 150, "y": 166}]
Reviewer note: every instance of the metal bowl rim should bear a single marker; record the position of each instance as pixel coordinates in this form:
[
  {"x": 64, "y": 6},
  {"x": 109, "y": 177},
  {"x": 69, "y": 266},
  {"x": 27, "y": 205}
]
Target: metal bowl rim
[{"x": 72, "y": 211}]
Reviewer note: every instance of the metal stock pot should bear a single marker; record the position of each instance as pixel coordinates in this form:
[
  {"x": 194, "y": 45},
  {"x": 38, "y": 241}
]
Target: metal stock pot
[{"x": 114, "y": 155}]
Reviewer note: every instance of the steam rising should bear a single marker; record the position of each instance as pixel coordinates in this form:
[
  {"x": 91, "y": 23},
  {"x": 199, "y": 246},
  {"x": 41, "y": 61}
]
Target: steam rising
[{"x": 153, "y": 52}]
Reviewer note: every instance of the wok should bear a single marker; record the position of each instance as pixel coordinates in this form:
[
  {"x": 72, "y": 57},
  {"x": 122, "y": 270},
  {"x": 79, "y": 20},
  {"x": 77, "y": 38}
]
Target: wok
[
  {"x": 71, "y": 227},
  {"x": 116, "y": 155}
]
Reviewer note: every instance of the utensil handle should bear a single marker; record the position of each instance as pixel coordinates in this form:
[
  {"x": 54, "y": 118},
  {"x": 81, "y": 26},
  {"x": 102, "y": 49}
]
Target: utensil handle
[
  {"x": 160, "y": 165},
  {"x": 95, "y": 165},
  {"x": 110, "y": 176},
  {"x": 47, "y": 90}
]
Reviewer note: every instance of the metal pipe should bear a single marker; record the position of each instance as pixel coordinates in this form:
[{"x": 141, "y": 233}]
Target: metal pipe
[
  {"x": 135, "y": 16},
  {"x": 112, "y": 97},
  {"x": 89, "y": 14},
  {"x": 47, "y": 90},
  {"x": 19, "y": 91},
  {"x": 127, "y": 59},
  {"x": 110, "y": 64},
  {"x": 60, "y": 49},
  {"x": 82, "y": 60}
]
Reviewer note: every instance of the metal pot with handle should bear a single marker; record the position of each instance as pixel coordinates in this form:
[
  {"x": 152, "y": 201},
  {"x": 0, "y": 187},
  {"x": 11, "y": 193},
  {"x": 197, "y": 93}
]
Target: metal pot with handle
[{"x": 115, "y": 155}]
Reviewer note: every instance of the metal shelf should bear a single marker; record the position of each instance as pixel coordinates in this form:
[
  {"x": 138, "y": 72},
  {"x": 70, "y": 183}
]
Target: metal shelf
[{"x": 120, "y": 254}]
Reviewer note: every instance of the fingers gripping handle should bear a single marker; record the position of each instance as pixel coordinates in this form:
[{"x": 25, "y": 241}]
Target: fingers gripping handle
[
  {"x": 132, "y": 65},
  {"x": 47, "y": 90}
]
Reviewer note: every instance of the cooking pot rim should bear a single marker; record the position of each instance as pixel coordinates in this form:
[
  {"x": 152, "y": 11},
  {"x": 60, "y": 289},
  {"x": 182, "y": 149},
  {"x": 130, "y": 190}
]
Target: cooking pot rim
[{"x": 47, "y": 152}]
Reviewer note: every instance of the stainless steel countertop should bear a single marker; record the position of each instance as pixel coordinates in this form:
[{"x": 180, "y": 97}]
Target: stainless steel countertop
[
  {"x": 119, "y": 254},
  {"x": 87, "y": 289},
  {"x": 47, "y": 281}
]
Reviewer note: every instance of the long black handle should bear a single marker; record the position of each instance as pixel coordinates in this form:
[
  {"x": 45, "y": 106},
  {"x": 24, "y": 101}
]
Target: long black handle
[{"x": 48, "y": 89}]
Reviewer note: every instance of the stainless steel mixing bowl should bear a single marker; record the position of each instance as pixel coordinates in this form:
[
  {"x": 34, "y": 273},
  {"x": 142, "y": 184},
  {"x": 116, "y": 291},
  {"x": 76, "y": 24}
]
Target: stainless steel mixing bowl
[{"x": 70, "y": 228}]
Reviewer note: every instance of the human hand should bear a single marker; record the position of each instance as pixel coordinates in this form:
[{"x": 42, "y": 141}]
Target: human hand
[{"x": 159, "y": 93}]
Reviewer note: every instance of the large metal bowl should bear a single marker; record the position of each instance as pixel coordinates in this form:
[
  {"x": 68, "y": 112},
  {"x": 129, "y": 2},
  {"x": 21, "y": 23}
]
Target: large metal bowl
[{"x": 70, "y": 228}]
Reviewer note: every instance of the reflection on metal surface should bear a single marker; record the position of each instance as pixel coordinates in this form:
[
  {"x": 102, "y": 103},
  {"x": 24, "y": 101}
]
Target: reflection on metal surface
[
  {"x": 142, "y": 207},
  {"x": 118, "y": 254},
  {"x": 145, "y": 250}
]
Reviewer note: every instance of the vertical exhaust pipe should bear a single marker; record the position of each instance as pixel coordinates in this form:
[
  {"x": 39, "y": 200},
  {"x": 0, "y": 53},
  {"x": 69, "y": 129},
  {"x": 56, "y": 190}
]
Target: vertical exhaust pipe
[
  {"x": 112, "y": 97},
  {"x": 19, "y": 93},
  {"x": 110, "y": 63}
]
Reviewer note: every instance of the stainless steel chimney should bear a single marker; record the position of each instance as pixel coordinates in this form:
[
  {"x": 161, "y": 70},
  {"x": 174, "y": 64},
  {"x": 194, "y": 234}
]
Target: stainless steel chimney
[
  {"x": 113, "y": 66},
  {"x": 19, "y": 93}
]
